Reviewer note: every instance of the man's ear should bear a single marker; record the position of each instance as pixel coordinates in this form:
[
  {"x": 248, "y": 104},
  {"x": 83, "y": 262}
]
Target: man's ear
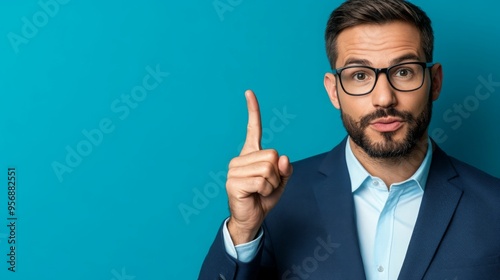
[
  {"x": 331, "y": 89},
  {"x": 437, "y": 80}
]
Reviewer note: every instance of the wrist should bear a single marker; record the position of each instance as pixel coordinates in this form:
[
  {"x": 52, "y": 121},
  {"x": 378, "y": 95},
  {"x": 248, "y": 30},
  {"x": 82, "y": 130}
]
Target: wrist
[{"x": 240, "y": 234}]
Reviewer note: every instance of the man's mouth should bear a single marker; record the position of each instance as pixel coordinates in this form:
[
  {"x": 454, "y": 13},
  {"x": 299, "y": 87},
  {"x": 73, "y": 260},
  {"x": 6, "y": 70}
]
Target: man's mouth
[{"x": 388, "y": 124}]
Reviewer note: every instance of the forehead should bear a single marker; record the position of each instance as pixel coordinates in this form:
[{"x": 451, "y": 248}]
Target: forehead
[{"x": 379, "y": 44}]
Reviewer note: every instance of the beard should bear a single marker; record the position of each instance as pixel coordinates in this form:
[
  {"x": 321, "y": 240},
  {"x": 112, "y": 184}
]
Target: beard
[{"x": 389, "y": 148}]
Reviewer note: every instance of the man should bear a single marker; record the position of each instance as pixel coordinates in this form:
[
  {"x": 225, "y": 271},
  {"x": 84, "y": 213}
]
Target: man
[{"x": 387, "y": 202}]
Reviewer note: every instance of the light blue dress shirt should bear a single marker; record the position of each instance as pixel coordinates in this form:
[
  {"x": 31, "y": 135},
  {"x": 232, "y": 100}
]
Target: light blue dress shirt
[{"x": 385, "y": 218}]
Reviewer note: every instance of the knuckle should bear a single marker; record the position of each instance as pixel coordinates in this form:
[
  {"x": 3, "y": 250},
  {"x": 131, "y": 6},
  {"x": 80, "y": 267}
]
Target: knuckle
[
  {"x": 231, "y": 172},
  {"x": 232, "y": 185},
  {"x": 267, "y": 169},
  {"x": 233, "y": 162},
  {"x": 263, "y": 187},
  {"x": 259, "y": 182},
  {"x": 266, "y": 192},
  {"x": 272, "y": 155}
]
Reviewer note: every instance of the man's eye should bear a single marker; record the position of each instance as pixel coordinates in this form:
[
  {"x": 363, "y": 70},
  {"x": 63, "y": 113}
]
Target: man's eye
[
  {"x": 360, "y": 76},
  {"x": 403, "y": 73}
]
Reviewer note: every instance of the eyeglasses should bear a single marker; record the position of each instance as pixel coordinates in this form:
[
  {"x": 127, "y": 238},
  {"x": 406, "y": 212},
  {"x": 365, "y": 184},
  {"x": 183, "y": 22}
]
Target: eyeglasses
[{"x": 361, "y": 80}]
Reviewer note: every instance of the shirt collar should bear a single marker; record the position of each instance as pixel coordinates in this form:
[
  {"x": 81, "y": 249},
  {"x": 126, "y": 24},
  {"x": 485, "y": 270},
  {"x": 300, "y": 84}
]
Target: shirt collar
[{"x": 358, "y": 173}]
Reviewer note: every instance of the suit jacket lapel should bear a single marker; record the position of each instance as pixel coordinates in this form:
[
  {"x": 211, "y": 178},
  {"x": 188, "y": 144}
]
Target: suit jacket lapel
[
  {"x": 336, "y": 208},
  {"x": 436, "y": 211}
]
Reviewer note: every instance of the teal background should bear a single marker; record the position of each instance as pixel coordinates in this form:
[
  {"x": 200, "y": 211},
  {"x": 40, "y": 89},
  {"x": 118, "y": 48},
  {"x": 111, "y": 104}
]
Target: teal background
[{"x": 117, "y": 214}]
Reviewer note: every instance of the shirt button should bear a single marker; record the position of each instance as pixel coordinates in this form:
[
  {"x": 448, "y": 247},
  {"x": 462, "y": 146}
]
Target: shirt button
[
  {"x": 380, "y": 268},
  {"x": 375, "y": 183}
]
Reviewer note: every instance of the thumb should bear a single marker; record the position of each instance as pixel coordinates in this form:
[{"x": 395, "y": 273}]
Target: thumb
[{"x": 285, "y": 169}]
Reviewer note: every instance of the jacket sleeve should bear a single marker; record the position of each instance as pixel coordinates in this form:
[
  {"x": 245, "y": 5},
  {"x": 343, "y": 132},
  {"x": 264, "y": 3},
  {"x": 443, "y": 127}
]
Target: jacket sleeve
[{"x": 219, "y": 265}]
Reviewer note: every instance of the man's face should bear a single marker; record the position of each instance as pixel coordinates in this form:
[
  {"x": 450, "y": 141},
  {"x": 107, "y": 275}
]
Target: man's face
[{"x": 386, "y": 123}]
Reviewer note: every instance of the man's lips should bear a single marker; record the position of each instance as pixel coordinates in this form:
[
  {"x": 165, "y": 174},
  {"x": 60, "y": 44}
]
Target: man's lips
[{"x": 386, "y": 124}]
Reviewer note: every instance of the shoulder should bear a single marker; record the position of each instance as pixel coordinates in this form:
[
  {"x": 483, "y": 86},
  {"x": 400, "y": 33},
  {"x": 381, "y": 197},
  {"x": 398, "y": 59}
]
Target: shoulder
[
  {"x": 467, "y": 171},
  {"x": 469, "y": 179},
  {"x": 473, "y": 179}
]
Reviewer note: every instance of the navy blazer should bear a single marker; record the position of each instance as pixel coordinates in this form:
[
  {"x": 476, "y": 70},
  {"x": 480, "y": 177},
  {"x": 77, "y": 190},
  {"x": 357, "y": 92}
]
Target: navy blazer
[{"x": 311, "y": 233}]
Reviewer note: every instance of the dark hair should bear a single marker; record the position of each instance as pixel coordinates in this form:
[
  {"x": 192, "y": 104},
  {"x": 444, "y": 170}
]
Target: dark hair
[{"x": 356, "y": 12}]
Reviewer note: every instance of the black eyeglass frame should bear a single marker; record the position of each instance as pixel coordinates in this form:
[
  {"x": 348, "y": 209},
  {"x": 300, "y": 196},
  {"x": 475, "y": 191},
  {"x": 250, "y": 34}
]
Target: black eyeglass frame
[{"x": 337, "y": 72}]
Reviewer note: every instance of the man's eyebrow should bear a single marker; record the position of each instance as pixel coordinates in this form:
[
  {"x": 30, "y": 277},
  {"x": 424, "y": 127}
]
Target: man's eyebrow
[
  {"x": 357, "y": 61},
  {"x": 365, "y": 62},
  {"x": 410, "y": 57}
]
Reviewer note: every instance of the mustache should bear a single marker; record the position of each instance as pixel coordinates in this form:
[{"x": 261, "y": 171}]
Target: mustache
[{"x": 384, "y": 113}]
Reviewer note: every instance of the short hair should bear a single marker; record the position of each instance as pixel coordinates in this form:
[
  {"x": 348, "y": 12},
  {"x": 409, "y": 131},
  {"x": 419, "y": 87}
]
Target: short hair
[{"x": 356, "y": 12}]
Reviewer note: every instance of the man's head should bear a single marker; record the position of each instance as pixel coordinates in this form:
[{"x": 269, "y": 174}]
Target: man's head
[
  {"x": 385, "y": 111},
  {"x": 357, "y": 12}
]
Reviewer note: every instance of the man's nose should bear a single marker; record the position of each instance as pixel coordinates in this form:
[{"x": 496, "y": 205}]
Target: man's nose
[{"x": 383, "y": 95}]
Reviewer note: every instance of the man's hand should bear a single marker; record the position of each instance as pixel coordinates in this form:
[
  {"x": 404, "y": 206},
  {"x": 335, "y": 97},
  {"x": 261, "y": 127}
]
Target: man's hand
[{"x": 255, "y": 180}]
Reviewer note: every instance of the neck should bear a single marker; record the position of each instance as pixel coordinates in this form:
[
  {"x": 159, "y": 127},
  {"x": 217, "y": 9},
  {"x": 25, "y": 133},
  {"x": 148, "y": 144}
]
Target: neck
[{"x": 392, "y": 170}]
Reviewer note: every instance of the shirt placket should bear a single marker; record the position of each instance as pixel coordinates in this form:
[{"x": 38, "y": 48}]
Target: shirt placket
[{"x": 384, "y": 234}]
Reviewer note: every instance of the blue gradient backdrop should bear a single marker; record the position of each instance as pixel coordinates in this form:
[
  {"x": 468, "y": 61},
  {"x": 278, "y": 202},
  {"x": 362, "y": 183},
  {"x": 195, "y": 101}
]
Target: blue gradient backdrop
[{"x": 76, "y": 77}]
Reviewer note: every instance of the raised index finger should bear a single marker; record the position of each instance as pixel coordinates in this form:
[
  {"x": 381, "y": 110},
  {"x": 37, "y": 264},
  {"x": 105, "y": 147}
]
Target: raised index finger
[{"x": 254, "y": 127}]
